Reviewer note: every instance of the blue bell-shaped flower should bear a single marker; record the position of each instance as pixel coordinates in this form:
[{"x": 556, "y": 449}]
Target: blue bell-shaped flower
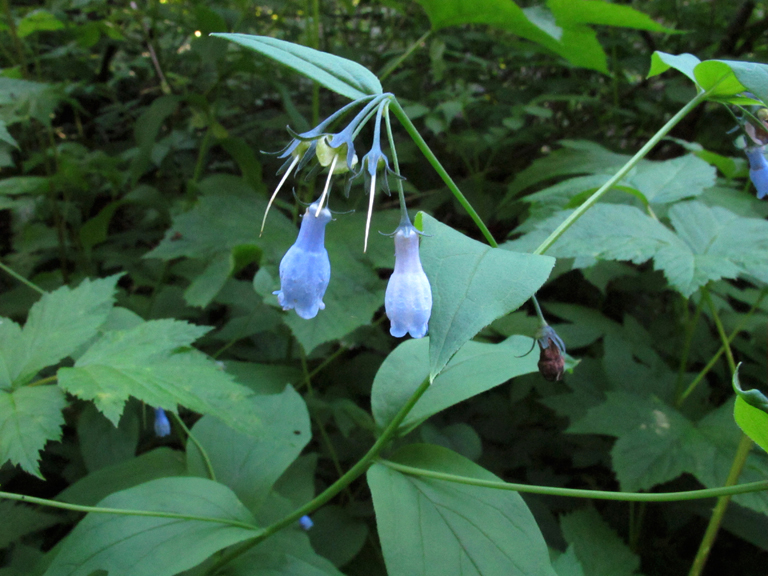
[
  {"x": 408, "y": 301},
  {"x": 758, "y": 169},
  {"x": 305, "y": 270},
  {"x": 162, "y": 425}
]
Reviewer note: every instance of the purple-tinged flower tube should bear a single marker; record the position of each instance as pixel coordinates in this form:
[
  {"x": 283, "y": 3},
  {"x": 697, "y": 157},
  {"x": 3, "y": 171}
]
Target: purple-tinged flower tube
[
  {"x": 408, "y": 301},
  {"x": 162, "y": 425},
  {"x": 305, "y": 270},
  {"x": 758, "y": 169}
]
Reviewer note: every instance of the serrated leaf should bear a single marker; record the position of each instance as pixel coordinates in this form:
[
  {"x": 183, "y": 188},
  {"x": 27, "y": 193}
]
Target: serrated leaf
[
  {"x": 250, "y": 466},
  {"x": 57, "y": 325},
  {"x": 432, "y": 527},
  {"x": 472, "y": 285},
  {"x": 140, "y": 545},
  {"x": 29, "y": 418},
  {"x": 146, "y": 362},
  {"x": 343, "y": 76},
  {"x": 476, "y": 368},
  {"x": 598, "y": 548}
]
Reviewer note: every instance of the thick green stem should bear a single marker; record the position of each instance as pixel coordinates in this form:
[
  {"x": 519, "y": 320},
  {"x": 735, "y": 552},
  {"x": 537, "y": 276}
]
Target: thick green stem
[
  {"x": 352, "y": 474},
  {"x": 121, "y": 511},
  {"x": 432, "y": 159},
  {"x": 579, "y": 212},
  {"x": 576, "y": 493}
]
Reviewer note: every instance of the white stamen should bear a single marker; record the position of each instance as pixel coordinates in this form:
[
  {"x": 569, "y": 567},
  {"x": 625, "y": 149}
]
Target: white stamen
[
  {"x": 370, "y": 211},
  {"x": 272, "y": 199},
  {"x": 327, "y": 186}
]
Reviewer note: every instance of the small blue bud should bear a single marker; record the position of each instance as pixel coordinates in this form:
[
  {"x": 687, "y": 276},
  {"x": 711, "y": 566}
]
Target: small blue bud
[
  {"x": 305, "y": 270},
  {"x": 306, "y": 522},
  {"x": 408, "y": 301},
  {"x": 758, "y": 170},
  {"x": 162, "y": 425}
]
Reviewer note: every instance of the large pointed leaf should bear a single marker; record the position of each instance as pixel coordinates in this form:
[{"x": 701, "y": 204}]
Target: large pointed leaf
[
  {"x": 475, "y": 368},
  {"x": 432, "y": 527},
  {"x": 343, "y": 76},
  {"x": 141, "y": 545},
  {"x": 250, "y": 466},
  {"x": 472, "y": 285},
  {"x": 29, "y": 417}
]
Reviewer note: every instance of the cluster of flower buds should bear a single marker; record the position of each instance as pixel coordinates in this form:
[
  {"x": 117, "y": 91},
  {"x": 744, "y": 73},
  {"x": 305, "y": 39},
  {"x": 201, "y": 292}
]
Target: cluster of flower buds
[
  {"x": 757, "y": 137},
  {"x": 305, "y": 270}
]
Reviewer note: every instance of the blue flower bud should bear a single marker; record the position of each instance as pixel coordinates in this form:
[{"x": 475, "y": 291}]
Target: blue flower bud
[
  {"x": 306, "y": 522},
  {"x": 162, "y": 425},
  {"x": 758, "y": 170},
  {"x": 408, "y": 301},
  {"x": 305, "y": 270}
]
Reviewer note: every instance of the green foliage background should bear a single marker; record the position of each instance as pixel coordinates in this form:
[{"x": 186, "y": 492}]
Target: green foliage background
[{"x": 132, "y": 189}]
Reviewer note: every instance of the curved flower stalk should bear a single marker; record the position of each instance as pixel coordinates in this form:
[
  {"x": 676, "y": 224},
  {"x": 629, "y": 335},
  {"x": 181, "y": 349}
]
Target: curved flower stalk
[
  {"x": 162, "y": 425},
  {"x": 408, "y": 300},
  {"x": 305, "y": 270},
  {"x": 758, "y": 169}
]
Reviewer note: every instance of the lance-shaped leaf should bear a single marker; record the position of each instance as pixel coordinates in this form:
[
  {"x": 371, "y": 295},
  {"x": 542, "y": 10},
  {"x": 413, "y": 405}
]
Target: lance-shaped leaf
[
  {"x": 343, "y": 76},
  {"x": 751, "y": 412},
  {"x": 139, "y": 545}
]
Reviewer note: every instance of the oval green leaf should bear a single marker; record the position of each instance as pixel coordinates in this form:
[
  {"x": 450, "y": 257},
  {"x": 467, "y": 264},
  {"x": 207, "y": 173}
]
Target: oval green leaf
[{"x": 343, "y": 76}]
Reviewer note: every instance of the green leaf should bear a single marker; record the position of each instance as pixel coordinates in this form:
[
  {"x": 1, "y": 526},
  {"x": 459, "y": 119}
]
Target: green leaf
[
  {"x": 685, "y": 63},
  {"x": 287, "y": 553},
  {"x": 654, "y": 444},
  {"x": 475, "y": 368},
  {"x": 207, "y": 285},
  {"x": 146, "y": 129},
  {"x": 598, "y": 548},
  {"x": 29, "y": 417},
  {"x": 140, "y": 545},
  {"x": 251, "y": 466},
  {"x": 158, "y": 463},
  {"x": 146, "y": 362},
  {"x": 57, "y": 325},
  {"x": 38, "y": 21},
  {"x": 671, "y": 180},
  {"x": 6, "y": 137},
  {"x": 751, "y": 412},
  {"x": 337, "y": 535},
  {"x": 101, "y": 443},
  {"x": 603, "y": 13},
  {"x": 20, "y": 520},
  {"x": 16, "y": 185},
  {"x": 343, "y": 76},
  {"x": 472, "y": 285},
  {"x": 718, "y": 76},
  {"x": 433, "y": 527}
]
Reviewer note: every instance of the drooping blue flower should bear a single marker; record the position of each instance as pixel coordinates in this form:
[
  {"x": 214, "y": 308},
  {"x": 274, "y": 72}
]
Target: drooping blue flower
[
  {"x": 408, "y": 300},
  {"x": 305, "y": 270},
  {"x": 162, "y": 425},
  {"x": 306, "y": 522},
  {"x": 758, "y": 169}
]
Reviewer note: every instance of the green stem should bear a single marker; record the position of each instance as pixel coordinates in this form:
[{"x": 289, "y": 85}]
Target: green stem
[
  {"x": 579, "y": 212},
  {"x": 396, "y": 164},
  {"x": 690, "y": 329},
  {"x": 121, "y": 511},
  {"x": 195, "y": 441},
  {"x": 43, "y": 381},
  {"x": 432, "y": 159},
  {"x": 352, "y": 474},
  {"x": 576, "y": 493},
  {"x": 21, "y": 278},
  {"x": 739, "y": 460},
  {"x": 393, "y": 65}
]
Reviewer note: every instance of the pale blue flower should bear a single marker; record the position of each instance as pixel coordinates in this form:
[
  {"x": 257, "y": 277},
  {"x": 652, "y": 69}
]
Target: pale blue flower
[
  {"x": 305, "y": 270},
  {"x": 306, "y": 522},
  {"x": 162, "y": 425},
  {"x": 758, "y": 169},
  {"x": 408, "y": 301}
]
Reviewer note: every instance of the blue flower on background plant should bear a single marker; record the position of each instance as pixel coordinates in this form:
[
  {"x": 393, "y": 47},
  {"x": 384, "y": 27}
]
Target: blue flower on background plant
[
  {"x": 408, "y": 300},
  {"x": 758, "y": 169},
  {"x": 306, "y": 522},
  {"x": 305, "y": 270},
  {"x": 162, "y": 425}
]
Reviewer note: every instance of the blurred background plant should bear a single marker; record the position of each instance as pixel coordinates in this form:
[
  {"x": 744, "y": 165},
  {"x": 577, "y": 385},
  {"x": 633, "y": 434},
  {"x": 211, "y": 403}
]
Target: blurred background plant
[{"x": 130, "y": 143}]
